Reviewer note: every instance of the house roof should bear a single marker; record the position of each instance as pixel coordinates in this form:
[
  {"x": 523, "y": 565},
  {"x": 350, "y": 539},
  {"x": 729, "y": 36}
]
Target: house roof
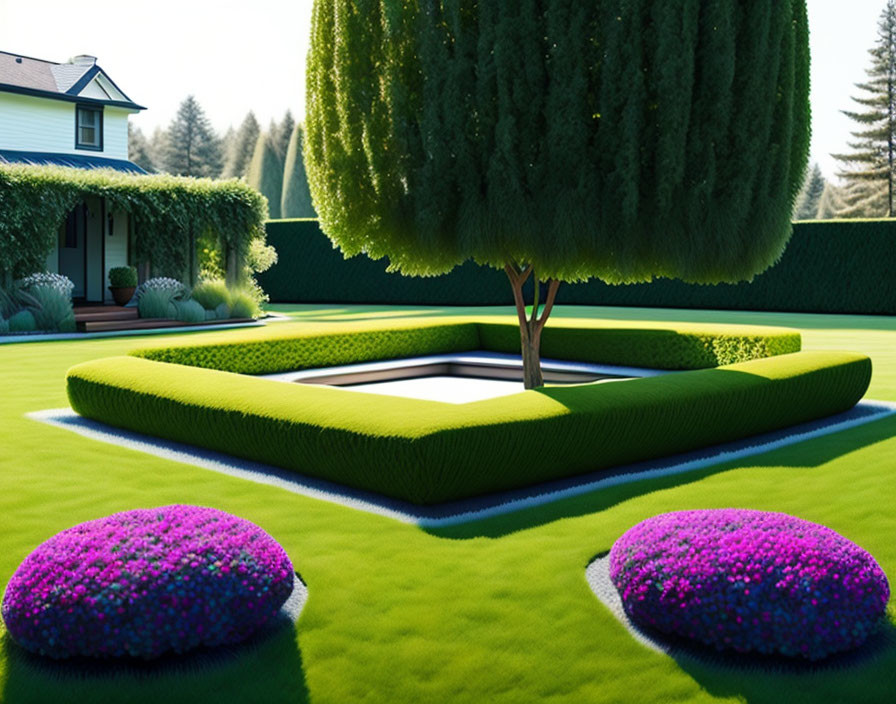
[
  {"x": 78, "y": 161},
  {"x": 78, "y": 80}
]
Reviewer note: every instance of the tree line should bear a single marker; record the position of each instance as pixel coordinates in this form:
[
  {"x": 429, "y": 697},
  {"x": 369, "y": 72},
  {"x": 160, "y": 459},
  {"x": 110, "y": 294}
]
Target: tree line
[
  {"x": 269, "y": 160},
  {"x": 867, "y": 187}
]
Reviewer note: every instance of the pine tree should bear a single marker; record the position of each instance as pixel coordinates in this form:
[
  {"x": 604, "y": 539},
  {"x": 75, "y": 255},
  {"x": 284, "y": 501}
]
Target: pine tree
[
  {"x": 863, "y": 198},
  {"x": 139, "y": 150},
  {"x": 282, "y": 134},
  {"x": 559, "y": 140},
  {"x": 810, "y": 197},
  {"x": 296, "y": 201},
  {"x": 265, "y": 173},
  {"x": 227, "y": 142},
  {"x": 192, "y": 148},
  {"x": 870, "y": 168},
  {"x": 242, "y": 148},
  {"x": 831, "y": 202},
  {"x": 157, "y": 146}
]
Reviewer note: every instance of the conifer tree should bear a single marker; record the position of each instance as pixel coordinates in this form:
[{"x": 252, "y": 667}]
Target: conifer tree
[
  {"x": 810, "y": 197},
  {"x": 192, "y": 148},
  {"x": 831, "y": 203},
  {"x": 863, "y": 198},
  {"x": 139, "y": 150},
  {"x": 265, "y": 173},
  {"x": 227, "y": 142},
  {"x": 157, "y": 147},
  {"x": 282, "y": 133},
  {"x": 559, "y": 140},
  {"x": 869, "y": 172},
  {"x": 242, "y": 148},
  {"x": 296, "y": 201}
]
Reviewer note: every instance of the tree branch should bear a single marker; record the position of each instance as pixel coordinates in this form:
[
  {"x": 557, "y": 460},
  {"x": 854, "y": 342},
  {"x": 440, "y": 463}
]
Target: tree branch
[
  {"x": 535, "y": 303},
  {"x": 553, "y": 286},
  {"x": 516, "y": 283}
]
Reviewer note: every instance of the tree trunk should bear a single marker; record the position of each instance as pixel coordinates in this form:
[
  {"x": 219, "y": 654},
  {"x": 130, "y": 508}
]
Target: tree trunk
[{"x": 530, "y": 326}]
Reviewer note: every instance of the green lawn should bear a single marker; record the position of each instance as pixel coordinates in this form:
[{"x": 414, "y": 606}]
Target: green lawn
[{"x": 497, "y": 611}]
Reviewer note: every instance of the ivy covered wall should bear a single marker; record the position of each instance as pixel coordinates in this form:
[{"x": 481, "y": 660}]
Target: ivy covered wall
[{"x": 175, "y": 219}]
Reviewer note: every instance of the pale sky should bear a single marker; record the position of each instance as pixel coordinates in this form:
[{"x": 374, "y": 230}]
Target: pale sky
[{"x": 241, "y": 56}]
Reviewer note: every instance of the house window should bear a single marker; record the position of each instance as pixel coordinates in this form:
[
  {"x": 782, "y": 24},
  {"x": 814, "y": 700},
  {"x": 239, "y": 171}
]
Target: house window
[{"x": 89, "y": 127}]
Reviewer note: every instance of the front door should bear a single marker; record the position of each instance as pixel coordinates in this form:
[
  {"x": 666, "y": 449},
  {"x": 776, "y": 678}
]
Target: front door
[{"x": 73, "y": 250}]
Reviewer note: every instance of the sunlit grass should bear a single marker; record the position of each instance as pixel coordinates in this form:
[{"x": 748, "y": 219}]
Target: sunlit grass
[{"x": 497, "y": 611}]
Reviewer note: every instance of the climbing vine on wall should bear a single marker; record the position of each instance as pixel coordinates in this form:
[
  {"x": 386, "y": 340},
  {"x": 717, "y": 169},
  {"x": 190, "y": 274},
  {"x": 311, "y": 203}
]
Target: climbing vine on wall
[{"x": 170, "y": 214}]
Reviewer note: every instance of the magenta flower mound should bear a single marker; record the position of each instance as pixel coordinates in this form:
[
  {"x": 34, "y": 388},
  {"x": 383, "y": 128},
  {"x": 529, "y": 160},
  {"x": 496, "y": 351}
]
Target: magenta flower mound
[
  {"x": 749, "y": 581},
  {"x": 147, "y": 582}
]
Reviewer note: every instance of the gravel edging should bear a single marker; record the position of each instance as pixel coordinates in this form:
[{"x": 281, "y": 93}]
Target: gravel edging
[{"x": 468, "y": 510}]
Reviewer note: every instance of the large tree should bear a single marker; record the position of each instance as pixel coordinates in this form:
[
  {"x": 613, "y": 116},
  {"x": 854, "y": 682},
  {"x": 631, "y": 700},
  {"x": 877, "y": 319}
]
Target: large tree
[
  {"x": 559, "y": 140},
  {"x": 281, "y": 133},
  {"x": 296, "y": 200},
  {"x": 139, "y": 150},
  {"x": 192, "y": 148},
  {"x": 831, "y": 202},
  {"x": 242, "y": 147},
  {"x": 265, "y": 173},
  {"x": 869, "y": 172},
  {"x": 809, "y": 199}
]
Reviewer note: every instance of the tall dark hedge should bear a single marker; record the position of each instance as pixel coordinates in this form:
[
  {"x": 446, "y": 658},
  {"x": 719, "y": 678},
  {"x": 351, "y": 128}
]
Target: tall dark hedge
[
  {"x": 830, "y": 266},
  {"x": 622, "y": 139}
]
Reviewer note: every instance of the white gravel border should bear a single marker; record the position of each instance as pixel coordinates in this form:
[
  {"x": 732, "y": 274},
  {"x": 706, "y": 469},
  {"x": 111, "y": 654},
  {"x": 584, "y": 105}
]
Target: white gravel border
[
  {"x": 598, "y": 576},
  {"x": 465, "y": 511}
]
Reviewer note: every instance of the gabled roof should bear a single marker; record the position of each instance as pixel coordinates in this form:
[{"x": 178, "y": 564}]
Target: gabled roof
[{"x": 79, "y": 80}]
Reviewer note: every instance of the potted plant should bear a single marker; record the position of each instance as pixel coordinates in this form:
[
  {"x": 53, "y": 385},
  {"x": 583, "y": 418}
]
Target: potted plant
[{"x": 122, "y": 283}]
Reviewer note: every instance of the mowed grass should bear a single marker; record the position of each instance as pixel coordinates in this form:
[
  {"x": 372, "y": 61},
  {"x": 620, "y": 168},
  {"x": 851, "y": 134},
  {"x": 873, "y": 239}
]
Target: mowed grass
[{"x": 497, "y": 611}]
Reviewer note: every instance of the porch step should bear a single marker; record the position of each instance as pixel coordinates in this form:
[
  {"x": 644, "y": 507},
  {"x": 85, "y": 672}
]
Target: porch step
[
  {"x": 98, "y": 308},
  {"x": 149, "y": 324},
  {"x": 113, "y": 314}
]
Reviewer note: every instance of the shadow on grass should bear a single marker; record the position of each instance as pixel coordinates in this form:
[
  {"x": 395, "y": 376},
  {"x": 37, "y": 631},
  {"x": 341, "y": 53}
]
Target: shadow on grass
[
  {"x": 865, "y": 675},
  {"x": 803, "y": 455},
  {"x": 266, "y": 669}
]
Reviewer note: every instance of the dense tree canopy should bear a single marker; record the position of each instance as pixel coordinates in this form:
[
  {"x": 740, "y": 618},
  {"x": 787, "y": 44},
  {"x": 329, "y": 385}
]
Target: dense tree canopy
[
  {"x": 618, "y": 139},
  {"x": 623, "y": 140}
]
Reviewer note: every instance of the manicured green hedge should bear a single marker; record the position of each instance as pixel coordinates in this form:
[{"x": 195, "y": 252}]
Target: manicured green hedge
[
  {"x": 837, "y": 266},
  {"x": 428, "y": 452},
  {"x": 681, "y": 346},
  {"x": 285, "y": 350}
]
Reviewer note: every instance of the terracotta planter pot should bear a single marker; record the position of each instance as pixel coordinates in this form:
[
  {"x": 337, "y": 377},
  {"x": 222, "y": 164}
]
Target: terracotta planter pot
[{"x": 122, "y": 294}]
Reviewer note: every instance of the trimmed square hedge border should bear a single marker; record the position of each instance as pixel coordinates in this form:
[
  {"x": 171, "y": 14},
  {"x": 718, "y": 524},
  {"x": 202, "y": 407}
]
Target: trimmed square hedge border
[
  {"x": 466, "y": 510},
  {"x": 426, "y": 452}
]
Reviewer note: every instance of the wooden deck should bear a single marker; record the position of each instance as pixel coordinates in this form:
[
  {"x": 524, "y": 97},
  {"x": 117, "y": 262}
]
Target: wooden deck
[{"x": 102, "y": 318}]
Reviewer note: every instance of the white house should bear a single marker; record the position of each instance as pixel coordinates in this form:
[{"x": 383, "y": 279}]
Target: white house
[{"x": 71, "y": 114}]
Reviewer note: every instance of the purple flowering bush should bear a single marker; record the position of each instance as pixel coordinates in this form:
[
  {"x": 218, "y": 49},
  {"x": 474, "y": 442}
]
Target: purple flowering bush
[
  {"x": 749, "y": 581},
  {"x": 146, "y": 582}
]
